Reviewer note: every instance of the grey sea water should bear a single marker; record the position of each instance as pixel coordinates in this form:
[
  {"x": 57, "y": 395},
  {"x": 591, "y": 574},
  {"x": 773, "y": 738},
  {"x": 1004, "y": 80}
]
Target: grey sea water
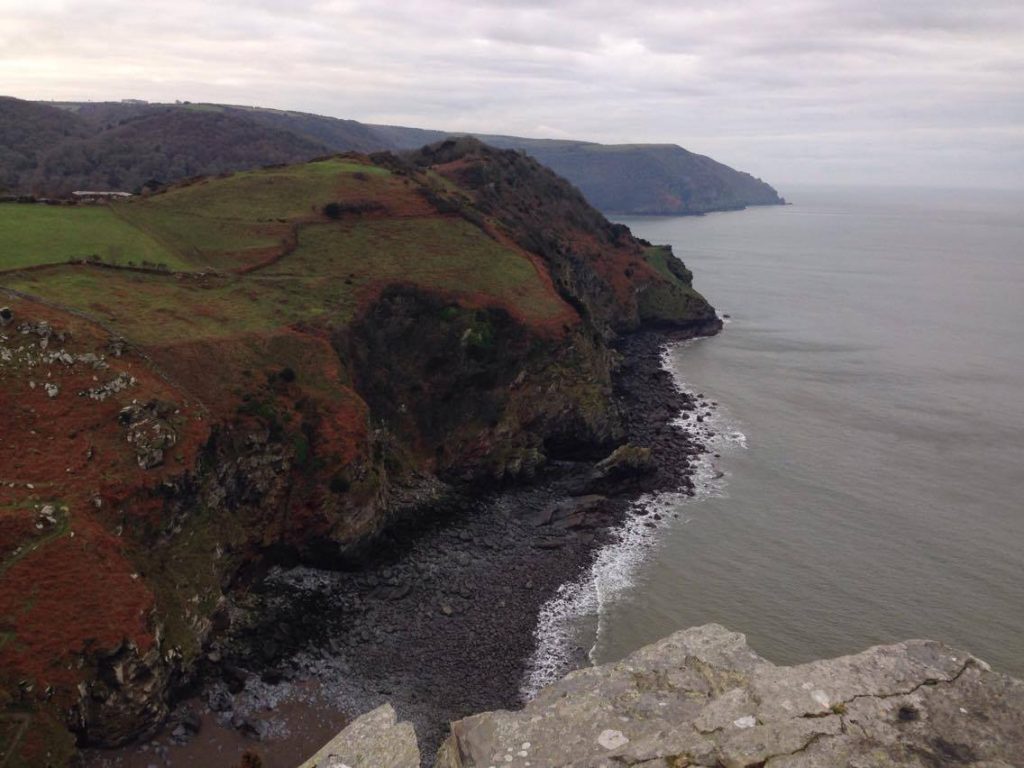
[{"x": 872, "y": 381}]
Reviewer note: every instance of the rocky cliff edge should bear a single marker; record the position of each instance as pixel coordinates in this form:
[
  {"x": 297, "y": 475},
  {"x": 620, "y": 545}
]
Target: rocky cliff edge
[{"x": 702, "y": 697}]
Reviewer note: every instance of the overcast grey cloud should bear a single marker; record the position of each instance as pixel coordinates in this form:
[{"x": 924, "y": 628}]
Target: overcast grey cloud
[{"x": 863, "y": 91}]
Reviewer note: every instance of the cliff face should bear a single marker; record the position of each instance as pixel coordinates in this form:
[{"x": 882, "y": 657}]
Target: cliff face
[
  {"x": 702, "y": 697},
  {"x": 660, "y": 179},
  {"x": 305, "y": 376}
]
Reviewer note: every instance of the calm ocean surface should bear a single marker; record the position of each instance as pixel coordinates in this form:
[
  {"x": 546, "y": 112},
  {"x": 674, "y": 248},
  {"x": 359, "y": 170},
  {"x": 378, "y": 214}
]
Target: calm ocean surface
[{"x": 874, "y": 363}]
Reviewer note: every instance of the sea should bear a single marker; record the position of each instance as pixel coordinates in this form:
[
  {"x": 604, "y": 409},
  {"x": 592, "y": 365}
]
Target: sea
[{"x": 865, "y": 479}]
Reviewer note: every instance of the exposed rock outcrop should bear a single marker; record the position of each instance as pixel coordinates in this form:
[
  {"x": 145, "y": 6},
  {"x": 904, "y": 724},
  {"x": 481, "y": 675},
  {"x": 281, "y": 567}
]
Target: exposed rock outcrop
[
  {"x": 118, "y": 703},
  {"x": 373, "y": 740},
  {"x": 627, "y": 466},
  {"x": 148, "y": 427},
  {"x": 702, "y": 697}
]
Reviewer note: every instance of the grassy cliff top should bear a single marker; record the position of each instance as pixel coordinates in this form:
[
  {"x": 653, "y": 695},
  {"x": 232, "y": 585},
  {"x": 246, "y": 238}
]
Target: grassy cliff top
[{"x": 255, "y": 251}]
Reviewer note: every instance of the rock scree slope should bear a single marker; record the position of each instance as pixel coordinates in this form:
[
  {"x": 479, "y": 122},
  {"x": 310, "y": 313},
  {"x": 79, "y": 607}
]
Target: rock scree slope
[{"x": 325, "y": 351}]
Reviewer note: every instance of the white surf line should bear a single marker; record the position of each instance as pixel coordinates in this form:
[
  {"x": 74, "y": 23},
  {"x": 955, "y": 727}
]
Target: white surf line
[{"x": 615, "y": 565}]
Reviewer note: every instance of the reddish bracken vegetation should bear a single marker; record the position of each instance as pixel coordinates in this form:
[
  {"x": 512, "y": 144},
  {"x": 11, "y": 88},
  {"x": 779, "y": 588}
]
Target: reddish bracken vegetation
[
  {"x": 67, "y": 585},
  {"x": 75, "y": 595},
  {"x": 622, "y": 266}
]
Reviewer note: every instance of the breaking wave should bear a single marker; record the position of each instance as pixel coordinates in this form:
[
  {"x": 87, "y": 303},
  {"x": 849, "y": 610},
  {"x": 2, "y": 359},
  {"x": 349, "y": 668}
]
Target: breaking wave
[{"x": 562, "y": 621}]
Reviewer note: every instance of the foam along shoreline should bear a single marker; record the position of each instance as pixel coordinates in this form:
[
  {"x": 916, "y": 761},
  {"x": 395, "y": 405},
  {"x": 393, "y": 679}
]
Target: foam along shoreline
[{"x": 576, "y": 613}]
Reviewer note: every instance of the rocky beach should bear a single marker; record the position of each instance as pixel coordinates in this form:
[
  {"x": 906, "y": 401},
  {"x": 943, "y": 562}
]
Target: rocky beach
[{"x": 439, "y": 619}]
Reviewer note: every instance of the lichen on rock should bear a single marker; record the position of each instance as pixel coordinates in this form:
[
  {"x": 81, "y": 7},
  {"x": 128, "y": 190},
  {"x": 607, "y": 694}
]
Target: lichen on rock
[{"x": 702, "y": 697}]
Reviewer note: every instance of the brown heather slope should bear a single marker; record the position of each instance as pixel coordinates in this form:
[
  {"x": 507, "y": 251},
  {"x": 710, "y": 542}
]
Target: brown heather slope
[{"x": 307, "y": 381}]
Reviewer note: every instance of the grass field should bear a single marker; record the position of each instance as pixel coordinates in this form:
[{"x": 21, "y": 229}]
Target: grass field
[
  {"x": 222, "y": 223},
  {"x": 334, "y": 268},
  {"x": 244, "y": 218},
  {"x": 158, "y": 309},
  {"x": 326, "y": 270},
  {"x": 44, "y": 234},
  {"x": 272, "y": 193},
  {"x": 339, "y": 263},
  {"x": 203, "y": 241}
]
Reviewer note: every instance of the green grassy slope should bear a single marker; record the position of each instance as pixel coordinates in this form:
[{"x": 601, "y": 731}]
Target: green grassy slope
[
  {"x": 450, "y": 256},
  {"x": 246, "y": 217},
  {"x": 41, "y": 234},
  {"x": 280, "y": 260}
]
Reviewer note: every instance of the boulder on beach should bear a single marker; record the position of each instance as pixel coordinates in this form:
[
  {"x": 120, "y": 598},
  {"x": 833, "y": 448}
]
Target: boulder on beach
[
  {"x": 623, "y": 469},
  {"x": 569, "y": 513}
]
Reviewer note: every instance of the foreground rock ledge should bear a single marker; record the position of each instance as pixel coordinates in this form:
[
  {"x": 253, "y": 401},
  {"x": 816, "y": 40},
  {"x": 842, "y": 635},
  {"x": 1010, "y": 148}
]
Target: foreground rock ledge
[
  {"x": 702, "y": 697},
  {"x": 373, "y": 740}
]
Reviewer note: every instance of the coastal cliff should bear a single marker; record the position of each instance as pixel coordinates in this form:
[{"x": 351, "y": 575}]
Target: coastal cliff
[
  {"x": 316, "y": 356},
  {"x": 702, "y": 697}
]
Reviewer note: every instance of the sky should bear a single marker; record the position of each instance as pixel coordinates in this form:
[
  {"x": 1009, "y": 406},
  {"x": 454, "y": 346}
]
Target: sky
[{"x": 897, "y": 93}]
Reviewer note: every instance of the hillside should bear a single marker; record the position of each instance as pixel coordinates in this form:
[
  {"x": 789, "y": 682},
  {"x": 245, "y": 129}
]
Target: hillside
[
  {"x": 27, "y": 132},
  {"x": 275, "y": 365},
  {"x": 165, "y": 145},
  {"x": 653, "y": 178},
  {"x": 126, "y": 146},
  {"x": 629, "y": 178}
]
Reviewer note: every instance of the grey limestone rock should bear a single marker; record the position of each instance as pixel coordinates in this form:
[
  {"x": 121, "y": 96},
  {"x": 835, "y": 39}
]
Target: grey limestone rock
[
  {"x": 373, "y": 740},
  {"x": 702, "y": 697}
]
